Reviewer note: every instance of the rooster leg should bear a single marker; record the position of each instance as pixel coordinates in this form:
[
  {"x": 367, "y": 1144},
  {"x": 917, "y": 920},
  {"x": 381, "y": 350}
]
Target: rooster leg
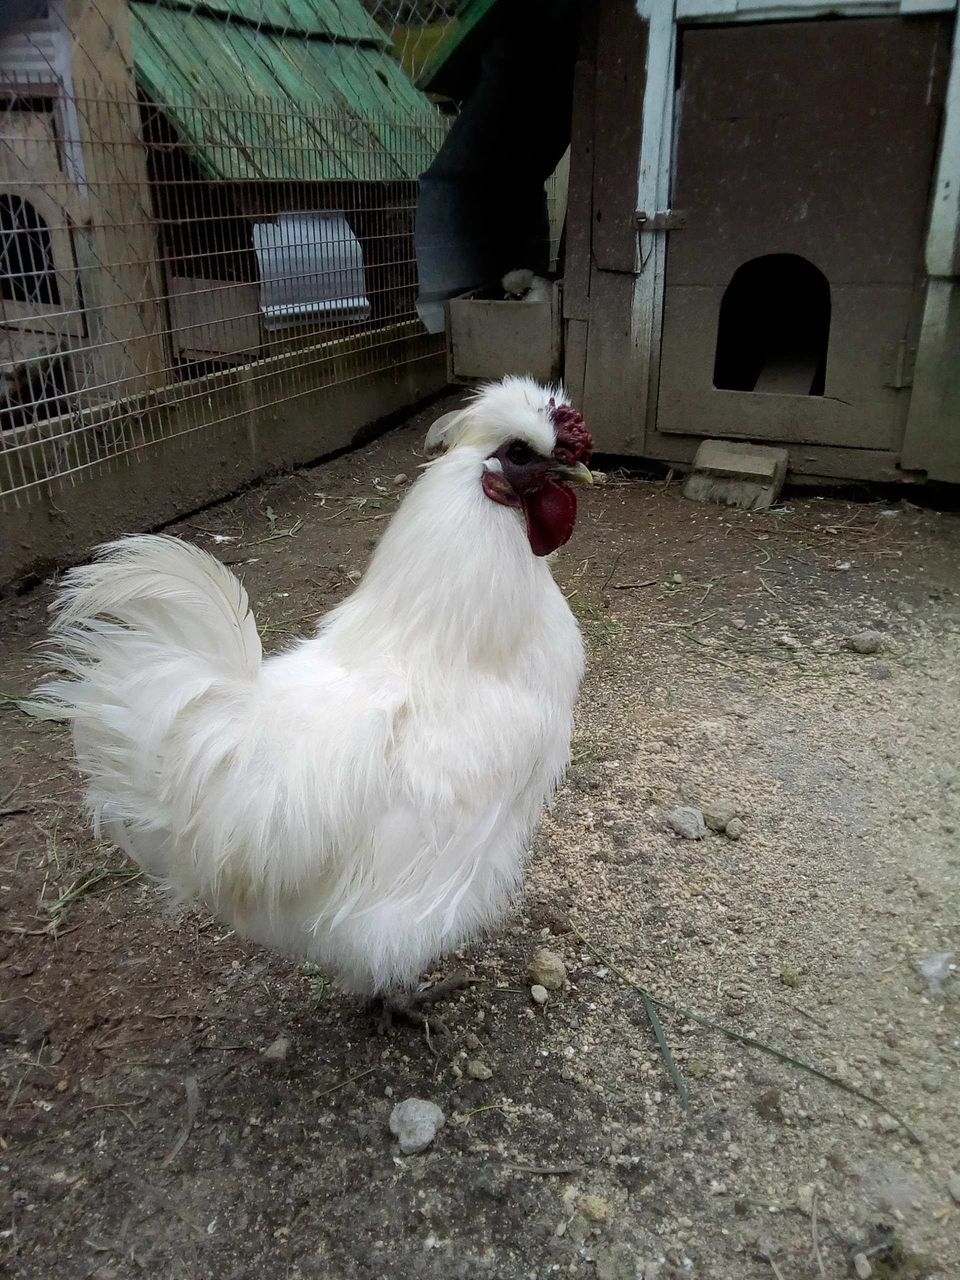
[{"x": 409, "y": 1006}]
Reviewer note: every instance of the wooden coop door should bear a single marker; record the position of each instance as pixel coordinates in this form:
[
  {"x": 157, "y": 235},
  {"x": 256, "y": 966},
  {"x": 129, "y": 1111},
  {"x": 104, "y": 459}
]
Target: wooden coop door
[{"x": 804, "y": 156}]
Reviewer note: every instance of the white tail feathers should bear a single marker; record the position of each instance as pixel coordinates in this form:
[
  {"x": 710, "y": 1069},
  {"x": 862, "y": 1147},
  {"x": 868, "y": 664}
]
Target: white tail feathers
[
  {"x": 151, "y": 628},
  {"x": 172, "y": 594}
]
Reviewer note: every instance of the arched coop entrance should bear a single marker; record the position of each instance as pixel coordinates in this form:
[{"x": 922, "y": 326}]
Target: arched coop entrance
[{"x": 773, "y": 333}]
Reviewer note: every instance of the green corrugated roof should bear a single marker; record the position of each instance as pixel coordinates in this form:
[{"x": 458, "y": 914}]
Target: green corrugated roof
[
  {"x": 337, "y": 19},
  {"x": 257, "y": 101}
]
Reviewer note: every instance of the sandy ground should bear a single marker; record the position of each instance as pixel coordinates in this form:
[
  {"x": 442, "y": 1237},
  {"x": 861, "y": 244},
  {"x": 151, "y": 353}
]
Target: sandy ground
[{"x": 144, "y": 1134}]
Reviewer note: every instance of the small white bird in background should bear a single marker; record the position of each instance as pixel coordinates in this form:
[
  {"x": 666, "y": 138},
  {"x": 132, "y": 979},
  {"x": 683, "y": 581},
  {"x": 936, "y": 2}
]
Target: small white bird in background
[
  {"x": 522, "y": 285},
  {"x": 365, "y": 800}
]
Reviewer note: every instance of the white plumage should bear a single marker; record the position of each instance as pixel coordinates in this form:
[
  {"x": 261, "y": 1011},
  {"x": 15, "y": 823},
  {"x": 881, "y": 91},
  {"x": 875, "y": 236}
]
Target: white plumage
[
  {"x": 522, "y": 285},
  {"x": 365, "y": 800}
]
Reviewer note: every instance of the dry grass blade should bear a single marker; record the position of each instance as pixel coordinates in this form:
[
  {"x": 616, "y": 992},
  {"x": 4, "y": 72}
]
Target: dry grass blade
[
  {"x": 750, "y": 1041},
  {"x": 360, "y": 1075},
  {"x": 277, "y": 535},
  {"x": 107, "y": 875},
  {"x": 668, "y": 1058},
  {"x": 35, "y": 710},
  {"x": 790, "y": 1060}
]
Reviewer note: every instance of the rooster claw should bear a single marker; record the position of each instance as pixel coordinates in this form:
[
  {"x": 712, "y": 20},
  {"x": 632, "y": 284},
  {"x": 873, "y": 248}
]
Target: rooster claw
[{"x": 408, "y": 1006}]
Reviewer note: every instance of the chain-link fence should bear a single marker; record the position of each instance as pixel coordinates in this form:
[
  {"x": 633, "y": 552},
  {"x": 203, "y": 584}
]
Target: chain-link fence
[
  {"x": 206, "y": 210},
  {"x": 415, "y": 27}
]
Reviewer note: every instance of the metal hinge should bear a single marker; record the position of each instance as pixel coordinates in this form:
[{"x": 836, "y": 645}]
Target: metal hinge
[
  {"x": 900, "y": 364},
  {"x": 670, "y": 220}
]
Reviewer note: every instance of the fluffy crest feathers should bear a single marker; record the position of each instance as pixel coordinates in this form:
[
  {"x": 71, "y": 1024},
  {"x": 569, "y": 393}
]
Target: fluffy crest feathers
[{"x": 515, "y": 408}]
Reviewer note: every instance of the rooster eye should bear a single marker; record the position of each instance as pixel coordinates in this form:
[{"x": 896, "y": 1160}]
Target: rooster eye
[{"x": 520, "y": 453}]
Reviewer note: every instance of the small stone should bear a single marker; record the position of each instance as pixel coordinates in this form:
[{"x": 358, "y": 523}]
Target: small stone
[
  {"x": 861, "y": 1265},
  {"x": 805, "y": 1198},
  {"x": 768, "y": 1105},
  {"x": 578, "y": 1229},
  {"x": 936, "y": 969},
  {"x": 718, "y": 816},
  {"x": 734, "y": 829},
  {"x": 478, "y": 1070},
  {"x": 594, "y": 1208},
  {"x": 687, "y": 822},
  {"x": 953, "y": 1186},
  {"x": 615, "y": 1262},
  {"x": 865, "y": 642},
  {"x": 539, "y": 994},
  {"x": 887, "y": 1124},
  {"x": 276, "y": 1052},
  {"x": 546, "y": 969},
  {"x": 400, "y": 479},
  {"x": 415, "y": 1123}
]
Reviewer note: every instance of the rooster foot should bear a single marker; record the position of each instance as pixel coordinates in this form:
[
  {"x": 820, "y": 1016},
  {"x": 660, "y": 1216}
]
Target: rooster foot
[{"x": 409, "y": 1006}]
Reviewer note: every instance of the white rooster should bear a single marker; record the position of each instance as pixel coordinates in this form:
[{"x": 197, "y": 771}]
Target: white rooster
[{"x": 365, "y": 800}]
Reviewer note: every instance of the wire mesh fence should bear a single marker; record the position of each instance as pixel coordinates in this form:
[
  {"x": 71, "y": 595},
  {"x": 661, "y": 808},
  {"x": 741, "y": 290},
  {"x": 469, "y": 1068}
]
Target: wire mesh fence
[
  {"x": 207, "y": 213},
  {"x": 217, "y": 223}
]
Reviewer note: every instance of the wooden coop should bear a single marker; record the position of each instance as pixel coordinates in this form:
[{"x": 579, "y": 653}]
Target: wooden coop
[
  {"x": 762, "y": 235},
  {"x": 185, "y": 188}
]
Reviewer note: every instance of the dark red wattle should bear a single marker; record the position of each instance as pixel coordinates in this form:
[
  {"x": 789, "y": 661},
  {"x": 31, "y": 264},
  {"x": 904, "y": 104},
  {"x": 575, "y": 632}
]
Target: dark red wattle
[{"x": 551, "y": 513}]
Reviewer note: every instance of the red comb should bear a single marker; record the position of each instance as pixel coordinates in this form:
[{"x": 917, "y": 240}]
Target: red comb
[{"x": 574, "y": 441}]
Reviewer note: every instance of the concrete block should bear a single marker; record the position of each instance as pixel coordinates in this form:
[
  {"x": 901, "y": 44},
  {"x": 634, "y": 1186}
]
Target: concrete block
[{"x": 738, "y": 475}]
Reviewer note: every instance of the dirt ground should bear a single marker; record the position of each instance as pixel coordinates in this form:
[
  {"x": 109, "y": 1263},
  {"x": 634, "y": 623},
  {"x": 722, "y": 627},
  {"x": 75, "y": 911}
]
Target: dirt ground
[{"x": 144, "y": 1134}]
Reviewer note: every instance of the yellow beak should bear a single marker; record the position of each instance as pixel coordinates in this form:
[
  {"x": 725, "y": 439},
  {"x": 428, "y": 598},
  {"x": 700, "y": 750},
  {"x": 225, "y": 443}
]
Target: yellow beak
[{"x": 579, "y": 474}]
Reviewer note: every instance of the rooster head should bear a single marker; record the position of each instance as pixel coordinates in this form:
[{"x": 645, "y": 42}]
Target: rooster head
[{"x": 531, "y": 446}]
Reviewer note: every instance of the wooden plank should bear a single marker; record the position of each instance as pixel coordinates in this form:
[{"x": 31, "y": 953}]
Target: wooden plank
[
  {"x": 575, "y": 359},
  {"x": 576, "y": 277},
  {"x": 211, "y": 317},
  {"x": 116, "y": 247},
  {"x": 653, "y": 195},
  {"x": 791, "y": 10},
  {"x": 811, "y": 464},
  {"x": 613, "y": 369},
  {"x": 932, "y": 440},
  {"x": 490, "y": 339},
  {"x": 943, "y": 235},
  {"x": 789, "y": 376},
  {"x": 619, "y": 122}
]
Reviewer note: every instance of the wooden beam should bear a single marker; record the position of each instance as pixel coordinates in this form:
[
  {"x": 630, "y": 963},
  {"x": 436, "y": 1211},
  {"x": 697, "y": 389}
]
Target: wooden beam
[{"x": 932, "y": 438}]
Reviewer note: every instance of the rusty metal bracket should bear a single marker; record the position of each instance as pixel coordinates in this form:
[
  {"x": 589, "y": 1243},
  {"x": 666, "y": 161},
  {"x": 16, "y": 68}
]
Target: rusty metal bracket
[{"x": 670, "y": 220}]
